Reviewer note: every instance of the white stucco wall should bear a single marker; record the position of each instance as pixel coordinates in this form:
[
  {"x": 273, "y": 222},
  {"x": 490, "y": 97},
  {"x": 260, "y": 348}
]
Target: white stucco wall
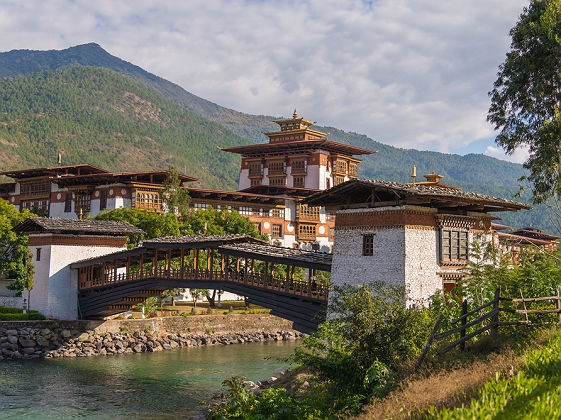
[
  {"x": 387, "y": 264},
  {"x": 55, "y": 294},
  {"x": 244, "y": 179},
  {"x": 421, "y": 264}
]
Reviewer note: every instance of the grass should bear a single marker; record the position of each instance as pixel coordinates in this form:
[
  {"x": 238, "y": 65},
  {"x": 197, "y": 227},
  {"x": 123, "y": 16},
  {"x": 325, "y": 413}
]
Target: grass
[
  {"x": 16, "y": 314},
  {"x": 203, "y": 308},
  {"x": 458, "y": 378},
  {"x": 533, "y": 393}
]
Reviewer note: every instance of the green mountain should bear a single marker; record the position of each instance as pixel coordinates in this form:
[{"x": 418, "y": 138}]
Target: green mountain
[
  {"x": 97, "y": 116},
  {"x": 475, "y": 172}
]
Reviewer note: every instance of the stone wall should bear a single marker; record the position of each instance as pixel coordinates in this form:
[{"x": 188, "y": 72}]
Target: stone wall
[
  {"x": 34, "y": 339},
  {"x": 421, "y": 264}
]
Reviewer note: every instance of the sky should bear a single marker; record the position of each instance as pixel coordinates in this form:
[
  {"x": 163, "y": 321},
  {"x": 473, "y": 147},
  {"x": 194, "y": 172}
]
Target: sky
[{"x": 410, "y": 73}]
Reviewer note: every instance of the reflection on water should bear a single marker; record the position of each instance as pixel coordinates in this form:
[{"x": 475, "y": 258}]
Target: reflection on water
[{"x": 166, "y": 384}]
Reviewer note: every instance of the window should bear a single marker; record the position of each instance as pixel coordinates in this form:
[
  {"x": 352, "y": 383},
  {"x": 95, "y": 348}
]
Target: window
[
  {"x": 453, "y": 244},
  {"x": 68, "y": 202},
  {"x": 103, "y": 199},
  {"x": 82, "y": 204},
  {"x": 340, "y": 166},
  {"x": 307, "y": 213},
  {"x": 246, "y": 211},
  {"x": 38, "y": 206},
  {"x": 338, "y": 180},
  {"x": 298, "y": 166},
  {"x": 353, "y": 169},
  {"x": 276, "y": 231},
  {"x": 306, "y": 232},
  {"x": 38, "y": 254},
  {"x": 254, "y": 182},
  {"x": 278, "y": 181},
  {"x": 298, "y": 181},
  {"x": 258, "y": 227},
  {"x": 255, "y": 169},
  {"x": 149, "y": 200},
  {"x": 31, "y": 189},
  {"x": 331, "y": 233},
  {"x": 328, "y": 183},
  {"x": 276, "y": 167},
  {"x": 277, "y": 213},
  {"x": 368, "y": 245}
]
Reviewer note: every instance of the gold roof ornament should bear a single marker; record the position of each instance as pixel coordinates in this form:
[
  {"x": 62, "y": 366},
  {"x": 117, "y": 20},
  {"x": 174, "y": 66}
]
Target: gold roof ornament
[{"x": 295, "y": 115}]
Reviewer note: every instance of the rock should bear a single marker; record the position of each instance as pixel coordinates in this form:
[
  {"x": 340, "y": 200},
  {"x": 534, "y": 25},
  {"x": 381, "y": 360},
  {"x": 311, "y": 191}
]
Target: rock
[
  {"x": 138, "y": 348},
  {"x": 12, "y": 339},
  {"x": 26, "y": 342},
  {"x": 11, "y": 332},
  {"x": 42, "y": 342},
  {"x": 83, "y": 337},
  {"x": 280, "y": 371},
  {"x": 29, "y": 350},
  {"x": 65, "y": 334},
  {"x": 46, "y": 332}
]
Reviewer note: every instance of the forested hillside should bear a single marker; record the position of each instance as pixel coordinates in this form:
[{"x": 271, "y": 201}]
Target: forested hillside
[
  {"x": 474, "y": 172},
  {"x": 97, "y": 116}
]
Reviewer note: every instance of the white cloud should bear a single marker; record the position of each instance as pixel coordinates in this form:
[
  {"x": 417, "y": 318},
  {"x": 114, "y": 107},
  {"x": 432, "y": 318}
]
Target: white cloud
[
  {"x": 413, "y": 73},
  {"x": 520, "y": 155}
]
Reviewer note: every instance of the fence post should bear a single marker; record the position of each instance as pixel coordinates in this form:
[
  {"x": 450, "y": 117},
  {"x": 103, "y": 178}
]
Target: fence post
[
  {"x": 464, "y": 322},
  {"x": 495, "y": 318},
  {"x": 429, "y": 341},
  {"x": 558, "y": 304}
]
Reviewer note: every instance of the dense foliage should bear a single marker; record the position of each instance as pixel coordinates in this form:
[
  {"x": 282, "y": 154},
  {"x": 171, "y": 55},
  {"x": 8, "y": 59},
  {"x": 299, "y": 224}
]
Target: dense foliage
[
  {"x": 534, "y": 393},
  {"x": 526, "y": 95},
  {"x": 97, "y": 116},
  {"x": 13, "y": 246}
]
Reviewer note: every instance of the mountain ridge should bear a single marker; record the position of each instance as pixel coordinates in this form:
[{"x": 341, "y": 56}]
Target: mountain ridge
[{"x": 475, "y": 172}]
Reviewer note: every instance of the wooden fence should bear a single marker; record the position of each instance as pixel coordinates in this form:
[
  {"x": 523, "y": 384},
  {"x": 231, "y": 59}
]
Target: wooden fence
[{"x": 492, "y": 315}]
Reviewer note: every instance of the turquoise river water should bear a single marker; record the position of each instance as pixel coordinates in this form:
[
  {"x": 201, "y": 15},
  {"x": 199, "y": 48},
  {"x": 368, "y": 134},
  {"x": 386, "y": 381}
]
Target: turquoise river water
[{"x": 162, "y": 385}]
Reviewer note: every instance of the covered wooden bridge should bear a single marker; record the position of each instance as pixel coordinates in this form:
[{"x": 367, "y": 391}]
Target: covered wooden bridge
[{"x": 293, "y": 283}]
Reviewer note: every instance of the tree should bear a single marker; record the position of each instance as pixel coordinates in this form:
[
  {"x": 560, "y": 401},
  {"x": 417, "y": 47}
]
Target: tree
[
  {"x": 171, "y": 293},
  {"x": 154, "y": 224},
  {"x": 526, "y": 96},
  {"x": 195, "y": 295},
  {"x": 28, "y": 279},
  {"x": 13, "y": 246},
  {"x": 175, "y": 198}
]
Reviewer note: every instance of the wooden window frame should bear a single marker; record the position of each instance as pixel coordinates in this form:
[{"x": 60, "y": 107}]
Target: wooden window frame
[
  {"x": 298, "y": 181},
  {"x": 68, "y": 202},
  {"x": 454, "y": 244},
  {"x": 276, "y": 230},
  {"x": 368, "y": 245}
]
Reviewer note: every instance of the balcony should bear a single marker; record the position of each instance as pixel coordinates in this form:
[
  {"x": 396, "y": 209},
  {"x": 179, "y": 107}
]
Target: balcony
[{"x": 306, "y": 232}]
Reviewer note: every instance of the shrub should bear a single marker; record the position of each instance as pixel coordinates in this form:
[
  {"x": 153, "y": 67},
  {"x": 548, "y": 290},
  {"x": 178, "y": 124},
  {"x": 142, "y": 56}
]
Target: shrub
[
  {"x": 30, "y": 315},
  {"x": 371, "y": 336}
]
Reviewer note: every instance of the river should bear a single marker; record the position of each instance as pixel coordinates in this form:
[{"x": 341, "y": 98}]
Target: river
[{"x": 167, "y": 384}]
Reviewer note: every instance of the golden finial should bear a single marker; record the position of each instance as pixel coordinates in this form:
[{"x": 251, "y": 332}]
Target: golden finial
[
  {"x": 295, "y": 115},
  {"x": 413, "y": 173}
]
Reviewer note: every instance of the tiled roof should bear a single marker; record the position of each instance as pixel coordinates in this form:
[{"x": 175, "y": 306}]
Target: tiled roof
[
  {"x": 404, "y": 191},
  {"x": 194, "y": 241},
  {"x": 279, "y": 255},
  {"x": 72, "y": 226}
]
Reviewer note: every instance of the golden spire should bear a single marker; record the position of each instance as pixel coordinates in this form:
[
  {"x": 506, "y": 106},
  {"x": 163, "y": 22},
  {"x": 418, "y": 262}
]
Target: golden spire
[{"x": 295, "y": 115}]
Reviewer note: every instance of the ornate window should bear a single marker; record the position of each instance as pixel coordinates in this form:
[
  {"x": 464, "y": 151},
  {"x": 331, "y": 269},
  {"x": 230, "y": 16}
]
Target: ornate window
[
  {"x": 298, "y": 166},
  {"x": 277, "y": 213},
  {"x": 340, "y": 166},
  {"x": 148, "y": 200},
  {"x": 68, "y": 202},
  {"x": 279, "y": 181},
  {"x": 306, "y": 232},
  {"x": 255, "y": 169},
  {"x": 103, "y": 199},
  {"x": 453, "y": 244},
  {"x": 338, "y": 180},
  {"x": 307, "y": 213},
  {"x": 255, "y": 181},
  {"x": 353, "y": 169},
  {"x": 368, "y": 245},
  {"x": 298, "y": 181},
  {"x": 33, "y": 189},
  {"x": 82, "y": 202},
  {"x": 276, "y": 231},
  {"x": 276, "y": 167}
]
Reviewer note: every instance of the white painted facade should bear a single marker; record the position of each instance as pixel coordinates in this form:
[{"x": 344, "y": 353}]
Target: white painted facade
[{"x": 55, "y": 292}]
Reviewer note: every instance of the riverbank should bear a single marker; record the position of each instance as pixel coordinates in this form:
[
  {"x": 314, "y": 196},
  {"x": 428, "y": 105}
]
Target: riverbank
[{"x": 37, "y": 339}]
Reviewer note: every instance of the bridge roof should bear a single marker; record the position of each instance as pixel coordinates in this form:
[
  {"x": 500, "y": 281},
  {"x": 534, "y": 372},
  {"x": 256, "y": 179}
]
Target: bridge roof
[
  {"x": 279, "y": 255},
  {"x": 73, "y": 226},
  {"x": 197, "y": 241}
]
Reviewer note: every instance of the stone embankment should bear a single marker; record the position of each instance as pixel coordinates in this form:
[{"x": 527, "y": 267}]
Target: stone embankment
[{"x": 32, "y": 343}]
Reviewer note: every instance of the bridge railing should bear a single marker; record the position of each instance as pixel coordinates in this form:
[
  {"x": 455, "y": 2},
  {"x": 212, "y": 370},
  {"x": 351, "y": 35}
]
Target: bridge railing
[{"x": 279, "y": 283}]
